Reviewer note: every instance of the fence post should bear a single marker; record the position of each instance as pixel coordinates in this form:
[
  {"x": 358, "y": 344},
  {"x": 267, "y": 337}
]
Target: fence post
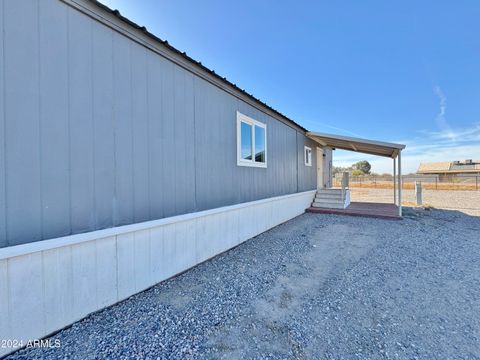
[
  {"x": 436, "y": 183},
  {"x": 418, "y": 192},
  {"x": 476, "y": 182}
]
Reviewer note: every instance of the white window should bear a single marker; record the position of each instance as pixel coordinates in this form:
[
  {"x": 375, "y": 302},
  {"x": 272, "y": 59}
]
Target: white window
[
  {"x": 308, "y": 156},
  {"x": 251, "y": 142}
]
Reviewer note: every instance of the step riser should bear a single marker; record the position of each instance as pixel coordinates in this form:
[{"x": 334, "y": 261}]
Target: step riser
[
  {"x": 333, "y": 201},
  {"x": 328, "y": 205},
  {"x": 329, "y": 191},
  {"x": 329, "y": 200},
  {"x": 333, "y": 197}
]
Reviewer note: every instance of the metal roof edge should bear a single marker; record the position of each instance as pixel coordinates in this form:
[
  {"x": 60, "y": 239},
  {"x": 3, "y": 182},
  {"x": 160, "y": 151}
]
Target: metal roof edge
[
  {"x": 360, "y": 140},
  {"x": 197, "y": 64}
]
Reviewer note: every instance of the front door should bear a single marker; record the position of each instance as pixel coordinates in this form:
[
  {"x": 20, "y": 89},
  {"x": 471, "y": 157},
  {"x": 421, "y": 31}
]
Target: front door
[{"x": 320, "y": 182}]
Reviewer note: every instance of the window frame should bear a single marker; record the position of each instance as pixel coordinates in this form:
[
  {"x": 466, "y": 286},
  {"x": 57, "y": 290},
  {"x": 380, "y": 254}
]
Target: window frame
[
  {"x": 248, "y": 120},
  {"x": 307, "y": 163}
]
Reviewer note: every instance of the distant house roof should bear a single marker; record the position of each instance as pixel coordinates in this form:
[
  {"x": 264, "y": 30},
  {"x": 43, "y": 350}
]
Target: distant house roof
[{"x": 451, "y": 167}]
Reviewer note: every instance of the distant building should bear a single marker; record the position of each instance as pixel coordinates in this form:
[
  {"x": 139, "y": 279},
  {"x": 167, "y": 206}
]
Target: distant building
[{"x": 450, "y": 168}]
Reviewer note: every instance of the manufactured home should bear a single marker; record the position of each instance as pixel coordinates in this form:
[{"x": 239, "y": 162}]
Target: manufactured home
[
  {"x": 450, "y": 169},
  {"x": 124, "y": 162}
]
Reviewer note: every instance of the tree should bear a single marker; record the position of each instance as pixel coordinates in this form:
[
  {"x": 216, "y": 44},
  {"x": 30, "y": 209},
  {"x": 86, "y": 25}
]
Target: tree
[{"x": 363, "y": 166}]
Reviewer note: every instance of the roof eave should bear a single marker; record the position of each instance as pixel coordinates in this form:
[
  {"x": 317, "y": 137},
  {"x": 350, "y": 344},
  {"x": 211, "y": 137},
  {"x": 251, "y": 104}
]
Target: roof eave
[{"x": 385, "y": 149}]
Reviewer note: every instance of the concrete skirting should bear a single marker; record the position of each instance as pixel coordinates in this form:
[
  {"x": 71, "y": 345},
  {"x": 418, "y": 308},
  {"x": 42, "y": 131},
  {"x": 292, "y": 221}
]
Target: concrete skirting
[{"x": 50, "y": 284}]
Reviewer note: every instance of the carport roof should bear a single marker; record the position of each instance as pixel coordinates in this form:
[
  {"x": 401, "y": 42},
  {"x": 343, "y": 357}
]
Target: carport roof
[{"x": 372, "y": 147}]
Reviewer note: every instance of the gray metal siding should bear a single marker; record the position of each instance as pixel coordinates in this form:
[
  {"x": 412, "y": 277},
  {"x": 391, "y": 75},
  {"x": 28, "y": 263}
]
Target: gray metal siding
[
  {"x": 307, "y": 175},
  {"x": 54, "y": 131},
  {"x": 3, "y": 229},
  {"x": 22, "y": 130},
  {"x": 103, "y": 125},
  {"x": 141, "y": 208},
  {"x": 101, "y": 132}
]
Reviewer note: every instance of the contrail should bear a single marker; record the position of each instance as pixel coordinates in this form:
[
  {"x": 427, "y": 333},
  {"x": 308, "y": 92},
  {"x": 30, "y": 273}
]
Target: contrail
[{"x": 440, "y": 119}]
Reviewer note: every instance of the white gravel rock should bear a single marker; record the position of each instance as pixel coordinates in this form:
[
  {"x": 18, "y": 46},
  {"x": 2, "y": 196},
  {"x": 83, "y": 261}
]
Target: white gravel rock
[{"x": 318, "y": 286}]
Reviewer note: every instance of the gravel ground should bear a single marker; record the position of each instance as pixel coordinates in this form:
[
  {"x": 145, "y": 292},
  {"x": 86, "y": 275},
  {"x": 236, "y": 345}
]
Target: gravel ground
[
  {"x": 318, "y": 286},
  {"x": 465, "y": 201}
]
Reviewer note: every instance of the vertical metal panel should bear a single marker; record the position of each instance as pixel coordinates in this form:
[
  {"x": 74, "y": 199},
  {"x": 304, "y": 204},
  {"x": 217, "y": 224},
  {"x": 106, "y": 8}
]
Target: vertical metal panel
[
  {"x": 22, "y": 121},
  {"x": 82, "y": 149},
  {"x": 3, "y": 202},
  {"x": 123, "y": 130},
  {"x": 189, "y": 145},
  {"x": 140, "y": 133},
  {"x": 200, "y": 108},
  {"x": 154, "y": 85},
  {"x": 227, "y": 112},
  {"x": 102, "y": 48},
  {"x": 167, "y": 155},
  {"x": 179, "y": 148},
  {"x": 183, "y": 154},
  {"x": 300, "y": 162},
  {"x": 55, "y": 182}
]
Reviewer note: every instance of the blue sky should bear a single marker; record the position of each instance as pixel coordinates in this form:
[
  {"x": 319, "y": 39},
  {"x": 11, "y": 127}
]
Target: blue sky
[{"x": 402, "y": 71}]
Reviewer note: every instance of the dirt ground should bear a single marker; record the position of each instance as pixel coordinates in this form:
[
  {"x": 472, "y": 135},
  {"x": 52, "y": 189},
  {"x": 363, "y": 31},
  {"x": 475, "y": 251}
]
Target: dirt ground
[{"x": 467, "y": 202}]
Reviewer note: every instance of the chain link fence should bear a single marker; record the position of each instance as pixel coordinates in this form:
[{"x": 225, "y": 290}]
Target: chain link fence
[{"x": 429, "y": 182}]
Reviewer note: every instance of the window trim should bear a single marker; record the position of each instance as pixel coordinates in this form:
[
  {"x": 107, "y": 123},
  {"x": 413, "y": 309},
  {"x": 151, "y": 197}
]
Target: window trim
[
  {"x": 305, "y": 148},
  {"x": 248, "y": 120}
]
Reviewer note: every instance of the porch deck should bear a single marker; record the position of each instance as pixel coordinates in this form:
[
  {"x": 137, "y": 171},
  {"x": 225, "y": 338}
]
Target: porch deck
[{"x": 366, "y": 209}]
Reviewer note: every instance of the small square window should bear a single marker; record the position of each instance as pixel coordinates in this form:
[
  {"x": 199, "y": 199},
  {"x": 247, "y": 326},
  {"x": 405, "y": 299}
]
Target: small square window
[
  {"x": 308, "y": 156},
  {"x": 251, "y": 142}
]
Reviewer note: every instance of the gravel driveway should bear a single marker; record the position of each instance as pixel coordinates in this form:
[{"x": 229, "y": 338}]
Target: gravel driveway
[{"x": 318, "y": 286}]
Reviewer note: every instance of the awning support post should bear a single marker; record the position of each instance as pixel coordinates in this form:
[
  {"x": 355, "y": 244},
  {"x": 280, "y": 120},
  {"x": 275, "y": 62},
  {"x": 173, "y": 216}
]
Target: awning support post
[
  {"x": 395, "y": 180},
  {"x": 400, "y": 183}
]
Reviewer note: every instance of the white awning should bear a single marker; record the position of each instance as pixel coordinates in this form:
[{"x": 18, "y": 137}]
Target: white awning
[{"x": 372, "y": 147}]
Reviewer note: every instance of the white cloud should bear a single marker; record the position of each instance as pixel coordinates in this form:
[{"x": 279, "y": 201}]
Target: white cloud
[{"x": 444, "y": 144}]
